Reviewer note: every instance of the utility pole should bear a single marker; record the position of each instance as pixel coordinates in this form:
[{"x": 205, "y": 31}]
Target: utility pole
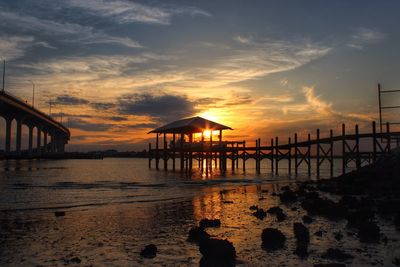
[
  {"x": 33, "y": 94},
  {"x": 4, "y": 74}
]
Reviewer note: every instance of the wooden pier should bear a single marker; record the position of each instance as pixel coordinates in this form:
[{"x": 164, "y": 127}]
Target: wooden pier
[{"x": 215, "y": 154}]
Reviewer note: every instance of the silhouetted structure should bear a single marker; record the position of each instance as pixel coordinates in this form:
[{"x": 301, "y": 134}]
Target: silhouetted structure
[
  {"x": 322, "y": 149},
  {"x": 13, "y": 108}
]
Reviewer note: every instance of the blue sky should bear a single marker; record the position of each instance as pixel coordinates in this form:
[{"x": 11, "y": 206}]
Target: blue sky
[{"x": 116, "y": 69}]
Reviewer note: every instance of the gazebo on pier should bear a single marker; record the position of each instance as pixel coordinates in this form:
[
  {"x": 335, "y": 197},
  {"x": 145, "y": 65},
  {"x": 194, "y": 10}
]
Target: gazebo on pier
[{"x": 187, "y": 150}]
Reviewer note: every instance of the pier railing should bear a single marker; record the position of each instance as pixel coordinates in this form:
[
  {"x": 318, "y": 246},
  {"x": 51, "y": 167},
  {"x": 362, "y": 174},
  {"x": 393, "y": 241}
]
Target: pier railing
[{"x": 345, "y": 146}]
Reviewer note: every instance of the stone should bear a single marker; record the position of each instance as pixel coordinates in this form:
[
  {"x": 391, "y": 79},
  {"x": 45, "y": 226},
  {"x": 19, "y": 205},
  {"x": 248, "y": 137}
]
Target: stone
[
  {"x": 59, "y": 213},
  {"x": 301, "y": 233},
  {"x": 149, "y": 251},
  {"x": 338, "y": 236},
  {"x": 253, "y": 207},
  {"x": 334, "y": 264},
  {"x": 397, "y": 221},
  {"x": 369, "y": 232},
  {"x": 204, "y": 223},
  {"x": 260, "y": 214},
  {"x": 288, "y": 196},
  {"x": 278, "y": 212},
  {"x": 337, "y": 254},
  {"x": 197, "y": 234},
  {"x": 307, "y": 219},
  {"x": 272, "y": 239},
  {"x": 217, "y": 252}
]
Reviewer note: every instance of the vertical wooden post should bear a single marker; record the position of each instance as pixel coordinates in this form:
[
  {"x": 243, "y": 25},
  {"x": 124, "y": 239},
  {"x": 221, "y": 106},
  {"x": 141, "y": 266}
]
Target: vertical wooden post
[
  {"x": 331, "y": 152},
  {"x": 173, "y": 150},
  {"x": 237, "y": 155},
  {"x": 389, "y": 140},
  {"x": 374, "y": 140},
  {"x": 358, "y": 160},
  {"x": 220, "y": 149},
  {"x": 190, "y": 151},
  {"x": 290, "y": 155},
  {"x": 157, "y": 156},
  {"x": 149, "y": 155},
  {"x": 309, "y": 155},
  {"x": 259, "y": 155},
  {"x": 201, "y": 160},
  {"x": 295, "y": 154},
  {"x": 233, "y": 156},
  {"x": 211, "y": 150},
  {"x": 272, "y": 155},
  {"x": 276, "y": 154},
  {"x": 165, "y": 152},
  {"x": 182, "y": 156},
  {"x": 244, "y": 156},
  {"x": 318, "y": 151},
  {"x": 344, "y": 160}
]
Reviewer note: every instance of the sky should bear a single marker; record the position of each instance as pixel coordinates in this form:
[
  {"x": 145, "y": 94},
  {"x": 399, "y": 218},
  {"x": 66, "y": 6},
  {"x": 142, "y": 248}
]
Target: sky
[{"x": 112, "y": 70}]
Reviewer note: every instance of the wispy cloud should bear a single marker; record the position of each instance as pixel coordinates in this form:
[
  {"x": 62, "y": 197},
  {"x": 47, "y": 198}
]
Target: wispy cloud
[
  {"x": 69, "y": 32},
  {"x": 127, "y": 12},
  {"x": 12, "y": 47},
  {"x": 365, "y": 36}
]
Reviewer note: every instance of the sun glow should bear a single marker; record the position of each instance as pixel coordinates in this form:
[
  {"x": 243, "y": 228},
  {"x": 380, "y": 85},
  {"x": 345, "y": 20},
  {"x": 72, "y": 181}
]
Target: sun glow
[{"x": 207, "y": 134}]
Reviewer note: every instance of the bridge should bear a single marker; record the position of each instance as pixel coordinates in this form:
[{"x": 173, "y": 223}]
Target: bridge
[{"x": 51, "y": 135}]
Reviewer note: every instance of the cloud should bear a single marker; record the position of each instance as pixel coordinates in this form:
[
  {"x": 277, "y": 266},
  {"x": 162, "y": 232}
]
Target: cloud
[
  {"x": 12, "y": 47},
  {"x": 102, "y": 105},
  {"x": 164, "y": 106},
  {"x": 67, "y": 32},
  {"x": 88, "y": 126},
  {"x": 365, "y": 36},
  {"x": 69, "y": 100},
  {"x": 144, "y": 126},
  {"x": 127, "y": 12},
  {"x": 118, "y": 118}
]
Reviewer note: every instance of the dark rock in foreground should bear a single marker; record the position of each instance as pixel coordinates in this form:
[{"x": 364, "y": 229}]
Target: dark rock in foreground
[
  {"x": 369, "y": 232},
  {"x": 397, "y": 221},
  {"x": 336, "y": 254},
  {"x": 253, "y": 207},
  {"x": 197, "y": 234},
  {"x": 307, "y": 219},
  {"x": 210, "y": 223},
  {"x": 288, "y": 196},
  {"x": 59, "y": 213},
  {"x": 272, "y": 239},
  {"x": 278, "y": 212},
  {"x": 260, "y": 214},
  {"x": 302, "y": 239},
  {"x": 150, "y": 251},
  {"x": 217, "y": 252}
]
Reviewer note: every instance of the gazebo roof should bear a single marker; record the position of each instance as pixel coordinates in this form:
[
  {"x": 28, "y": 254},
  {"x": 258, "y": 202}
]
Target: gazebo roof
[{"x": 190, "y": 125}]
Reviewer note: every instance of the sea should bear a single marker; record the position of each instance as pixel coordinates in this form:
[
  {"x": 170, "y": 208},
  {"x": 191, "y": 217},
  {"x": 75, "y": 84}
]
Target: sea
[{"x": 111, "y": 208}]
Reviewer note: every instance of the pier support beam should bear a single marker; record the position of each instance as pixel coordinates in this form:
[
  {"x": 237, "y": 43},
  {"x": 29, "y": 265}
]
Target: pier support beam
[
  {"x": 18, "y": 136},
  {"x": 39, "y": 140},
  {"x": 45, "y": 150},
  {"x": 8, "y": 135},
  {"x": 30, "y": 139}
]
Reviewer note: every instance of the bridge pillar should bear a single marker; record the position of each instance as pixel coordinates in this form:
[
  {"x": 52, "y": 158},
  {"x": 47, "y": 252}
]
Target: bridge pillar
[
  {"x": 60, "y": 144},
  {"x": 53, "y": 142},
  {"x": 44, "y": 141},
  {"x": 8, "y": 135},
  {"x": 19, "y": 135},
  {"x": 39, "y": 140},
  {"x": 30, "y": 139}
]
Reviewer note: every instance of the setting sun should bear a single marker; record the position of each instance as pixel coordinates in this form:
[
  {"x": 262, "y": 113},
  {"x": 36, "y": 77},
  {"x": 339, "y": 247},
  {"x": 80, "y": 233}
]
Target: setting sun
[{"x": 207, "y": 134}]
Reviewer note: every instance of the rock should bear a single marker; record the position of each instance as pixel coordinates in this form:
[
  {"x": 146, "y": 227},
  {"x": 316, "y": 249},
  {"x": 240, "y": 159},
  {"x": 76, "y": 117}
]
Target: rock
[
  {"x": 254, "y": 207},
  {"x": 149, "y": 251},
  {"x": 397, "y": 221},
  {"x": 307, "y": 219},
  {"x": 197, "y": 234},
  {"x": 318, "y": 233},
  {"x": 217, "y": 252},
  {"x": 301, "y": 233},
  {"x": 336, "y": 254},
  {"x": 293, "y": 208},
  {"x": 396, "y": 261},
  {"x": 272, "y": 239},
  {"x": 324, "y": 207},
  {"x": 329, "y": 265},
  {"x": 75, "y": 260},
  {"x": 260, "y": 214},
  {"x": 285, "y": 188},
  {"x": 59, "y": 213},
  {"x": 369, "y": 232},
  {"x": 357, "y": 217},
  {"x": 338, "y": 236},
  {"x": 204, "y": 223},
  {"x": 278, "y": 212},
  {"x": 301, "y": 250},
  {"x": 288, "y": 196}
]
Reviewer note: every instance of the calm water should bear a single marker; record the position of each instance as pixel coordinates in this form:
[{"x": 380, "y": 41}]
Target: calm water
[{"x": 114, "y": 207}]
